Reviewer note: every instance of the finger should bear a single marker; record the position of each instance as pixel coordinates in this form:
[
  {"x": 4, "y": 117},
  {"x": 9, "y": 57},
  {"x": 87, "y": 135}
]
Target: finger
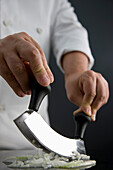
[
  {"x": 43, "y": 59},
  {"x": 31, "y": 54},
  {"x": 77, "y": 111},
  {"x": 19, "y": 71},
  {"x": 9, "y": 77},
  {"x": 74, "y": 94},
  {"x": 101, "y": 97},
  {"x": 89, "y": 89}
]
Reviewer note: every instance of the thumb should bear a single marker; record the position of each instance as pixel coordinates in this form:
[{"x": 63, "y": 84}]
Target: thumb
[
  {"x": 81, "y": 110},
  {"x": 77, "y": 111}
]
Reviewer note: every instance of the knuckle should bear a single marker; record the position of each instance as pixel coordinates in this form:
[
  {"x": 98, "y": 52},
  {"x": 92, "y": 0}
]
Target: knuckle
[
  {"x": 47, "y": 68},
  {"x": 34, "y": 52},
  {"x": 102, "y": 99},
  {"x": 99, "y": 74},
  {"x": 90, "y": 73},
  {"x": 23, "y": 34},
  {"x": 89, "y": 76},
  {"x": 91, "y": 94},
  {"x": 17, "y": 36},
  {"x": 11, "y": 37},
  {"x": 105, "y": 99}
]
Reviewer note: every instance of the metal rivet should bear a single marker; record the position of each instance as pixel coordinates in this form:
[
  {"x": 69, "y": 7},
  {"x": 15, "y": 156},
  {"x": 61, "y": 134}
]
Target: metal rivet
[{"x": 33, "y": 141}]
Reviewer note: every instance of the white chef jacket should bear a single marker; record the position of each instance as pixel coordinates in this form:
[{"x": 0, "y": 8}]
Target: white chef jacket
[{"x": 52, "y": 23}]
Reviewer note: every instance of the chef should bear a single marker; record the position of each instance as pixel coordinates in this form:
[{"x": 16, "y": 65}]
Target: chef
[{"x": 28, "y": 29}]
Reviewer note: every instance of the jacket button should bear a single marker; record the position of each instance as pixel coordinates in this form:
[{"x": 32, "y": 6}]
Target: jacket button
[
  {"x": 6, "y": 23},
  {"x": 39, "y": 30}
]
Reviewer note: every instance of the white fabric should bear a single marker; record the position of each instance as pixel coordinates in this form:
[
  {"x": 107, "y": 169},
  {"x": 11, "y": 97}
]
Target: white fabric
[{"x": 49, "y": 22}]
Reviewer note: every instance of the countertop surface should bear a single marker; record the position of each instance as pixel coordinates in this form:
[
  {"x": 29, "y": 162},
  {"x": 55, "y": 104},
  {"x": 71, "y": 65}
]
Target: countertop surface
[
  {"x": 6, "y": 153},
  {"x": 102, "y": 165}
]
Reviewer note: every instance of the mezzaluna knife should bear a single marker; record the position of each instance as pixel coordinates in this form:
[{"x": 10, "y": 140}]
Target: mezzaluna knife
[{"x": 40, "y": 134}]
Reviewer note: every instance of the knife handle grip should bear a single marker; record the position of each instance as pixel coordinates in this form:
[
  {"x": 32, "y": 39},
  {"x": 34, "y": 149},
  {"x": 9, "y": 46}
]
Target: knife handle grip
[
  {"x": 38, "y": 92},
  {"x": 81, "y": 122}
]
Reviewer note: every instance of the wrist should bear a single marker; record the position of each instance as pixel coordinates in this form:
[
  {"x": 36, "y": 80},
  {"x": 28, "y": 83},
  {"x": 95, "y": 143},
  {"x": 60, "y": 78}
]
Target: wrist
[{"x": 74, "y": 63}]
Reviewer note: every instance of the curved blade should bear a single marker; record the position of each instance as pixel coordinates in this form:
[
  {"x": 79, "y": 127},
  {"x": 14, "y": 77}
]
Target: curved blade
[
  {"x": 52, "y": 140},
  {"x": 40, "y": 134}
]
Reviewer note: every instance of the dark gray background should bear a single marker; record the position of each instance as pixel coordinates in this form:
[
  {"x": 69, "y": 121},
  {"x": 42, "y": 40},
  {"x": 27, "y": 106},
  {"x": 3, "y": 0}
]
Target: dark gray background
[{"x": 97, "y": 17}]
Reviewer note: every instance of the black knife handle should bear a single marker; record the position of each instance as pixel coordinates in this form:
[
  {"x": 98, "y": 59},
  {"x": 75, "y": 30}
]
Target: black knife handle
[
  {"x": 81, "y": 122},
  {"x": 38, "y": 92}
]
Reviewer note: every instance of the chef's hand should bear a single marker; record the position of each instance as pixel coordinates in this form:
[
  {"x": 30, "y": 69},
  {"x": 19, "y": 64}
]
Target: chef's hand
[
  {"x": 18, "y": 51},
  {"x": 89, "y": 91},
  {"x": 85, "y": 88}
]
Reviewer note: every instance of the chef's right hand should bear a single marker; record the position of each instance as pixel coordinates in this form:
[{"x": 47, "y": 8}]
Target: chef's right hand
[{"x": 16, "y": 51}]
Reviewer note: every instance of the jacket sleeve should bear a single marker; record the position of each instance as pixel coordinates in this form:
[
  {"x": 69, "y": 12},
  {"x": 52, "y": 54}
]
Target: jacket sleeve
[{"x": 68, "y": 34}]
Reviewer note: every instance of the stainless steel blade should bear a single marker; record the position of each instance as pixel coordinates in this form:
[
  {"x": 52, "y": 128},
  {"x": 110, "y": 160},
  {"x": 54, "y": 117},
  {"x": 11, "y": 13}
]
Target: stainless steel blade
[
  {"x": 40, "y": 134},
  {"x": 19, "y": 121},
  {"x": 80, "y": 146},
  {"x": 52, "y": 140}
]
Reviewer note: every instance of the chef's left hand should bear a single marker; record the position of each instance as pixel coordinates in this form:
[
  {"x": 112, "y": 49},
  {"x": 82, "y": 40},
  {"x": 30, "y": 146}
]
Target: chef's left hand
[{"x": 88, "y": 90}]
